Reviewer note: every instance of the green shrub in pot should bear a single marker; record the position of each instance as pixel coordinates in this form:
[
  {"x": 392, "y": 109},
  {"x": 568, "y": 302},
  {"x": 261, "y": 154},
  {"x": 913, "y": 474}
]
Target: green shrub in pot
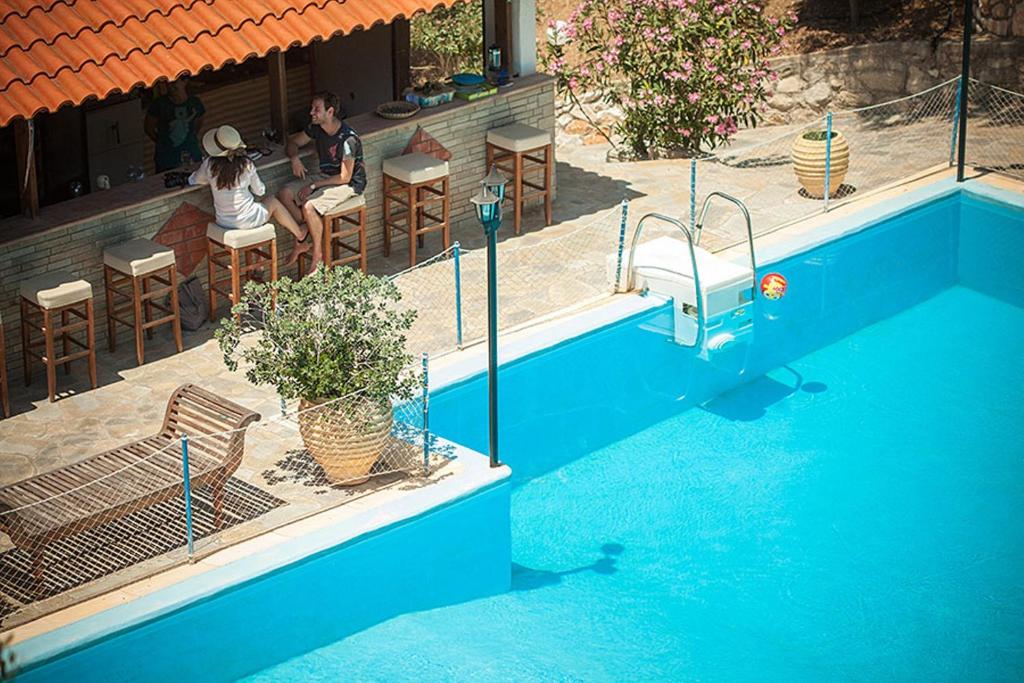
[{"x": 335, "y": 341}]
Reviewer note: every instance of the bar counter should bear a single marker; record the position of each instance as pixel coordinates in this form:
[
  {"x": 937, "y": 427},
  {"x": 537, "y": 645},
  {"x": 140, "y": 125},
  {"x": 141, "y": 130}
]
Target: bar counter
[{"x": 71, "y": 236}]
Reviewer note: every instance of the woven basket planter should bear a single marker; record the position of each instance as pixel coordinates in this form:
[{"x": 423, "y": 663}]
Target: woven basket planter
[
  {"x": 809, "y": 163},
  {"x": 345, "y": 438}
]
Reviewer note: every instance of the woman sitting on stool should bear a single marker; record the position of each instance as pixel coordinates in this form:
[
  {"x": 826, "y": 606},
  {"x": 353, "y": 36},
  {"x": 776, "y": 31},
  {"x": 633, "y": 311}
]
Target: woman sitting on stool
[{"x": 233, "y": 179}]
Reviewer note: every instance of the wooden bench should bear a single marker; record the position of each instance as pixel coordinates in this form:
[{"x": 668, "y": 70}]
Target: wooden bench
[{"x": 132, "y": 477}]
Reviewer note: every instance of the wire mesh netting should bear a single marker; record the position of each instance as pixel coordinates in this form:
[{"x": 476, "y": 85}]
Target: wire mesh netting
[
  {"x": 875, "y": 147},
  {"x": 995, "y": 135},
  {"x": 118, "y": 517},
  {"x": 558, "y": 271}
]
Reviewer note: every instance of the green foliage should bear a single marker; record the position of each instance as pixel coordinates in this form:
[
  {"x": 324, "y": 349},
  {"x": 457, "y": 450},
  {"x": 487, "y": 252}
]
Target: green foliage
[
  {"x": 685, "y": 73},
  {"x": 328, "y": 335},
  {"x": 817, "y": 135},
  {"x": 453, "y": 36}
]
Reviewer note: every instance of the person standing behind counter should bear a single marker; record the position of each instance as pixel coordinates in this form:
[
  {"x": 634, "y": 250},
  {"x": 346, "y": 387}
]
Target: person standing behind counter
[
  {"x": 342, "y": 173},
  {"x": 173, "y": 122}
]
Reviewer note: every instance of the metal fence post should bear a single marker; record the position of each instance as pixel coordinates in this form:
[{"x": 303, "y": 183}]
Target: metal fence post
[
  {"x": 457, "y": 251},
  {"x": 188, "y": 494},
  {"x": 956, "y": 122},
  {"x": 622, "y": 242},
  {"x": 828, "y": 157},
  {"x": 426, "y": 416},
  {"x": 965, "y": 79},
  {"x": 693, "y": 196}
]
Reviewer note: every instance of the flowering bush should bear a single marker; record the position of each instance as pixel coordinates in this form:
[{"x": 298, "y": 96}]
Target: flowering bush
[{"x": 685, "y": 73}]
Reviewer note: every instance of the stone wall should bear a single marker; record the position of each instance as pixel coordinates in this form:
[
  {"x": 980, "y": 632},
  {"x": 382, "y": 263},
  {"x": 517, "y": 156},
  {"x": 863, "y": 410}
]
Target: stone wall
[
  {"x": 1004, "y": 18},
  {"x": 811, "y": 84},
  {"x": 78, "y": 247}
]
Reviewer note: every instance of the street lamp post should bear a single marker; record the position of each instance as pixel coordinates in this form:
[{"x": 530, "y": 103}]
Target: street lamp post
[{"x": 488, "y": 211}]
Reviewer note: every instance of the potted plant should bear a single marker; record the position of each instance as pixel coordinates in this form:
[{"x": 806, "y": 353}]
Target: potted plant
[
  {"x": 809, "y": 151},
  {"x": 334, "y": 341}
]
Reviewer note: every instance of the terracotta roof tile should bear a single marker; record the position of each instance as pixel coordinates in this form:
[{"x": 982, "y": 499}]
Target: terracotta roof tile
[{"x": 56, "y": 52}]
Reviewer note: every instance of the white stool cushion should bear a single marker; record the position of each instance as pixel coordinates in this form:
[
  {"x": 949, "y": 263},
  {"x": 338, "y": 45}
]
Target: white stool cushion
[
  {"x": 349, "y": 204},
  {"x": 138, "y": 257},
  {"x": 236, "y": 238},
  {"x": 518, "y": 138},
  {"x": 53, "y": 290},
  {"x": 415, "y": 168}
]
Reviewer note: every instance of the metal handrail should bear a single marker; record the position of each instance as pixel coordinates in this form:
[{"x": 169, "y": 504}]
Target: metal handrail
[
  {"x": 746, "y": 215},
  {"x": 693, "y": 262}
]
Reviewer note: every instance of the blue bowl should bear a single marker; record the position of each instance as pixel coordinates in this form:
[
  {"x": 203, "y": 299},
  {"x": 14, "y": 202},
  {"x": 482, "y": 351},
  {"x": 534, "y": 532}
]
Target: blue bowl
[{"x": 467, "y": 79}]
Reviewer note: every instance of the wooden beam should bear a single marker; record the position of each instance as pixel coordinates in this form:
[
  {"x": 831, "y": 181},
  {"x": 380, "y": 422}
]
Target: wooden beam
[
  {"x": 503, "y": 32},
  {"x": 278, "y": 93},
  {"x": 400, "y": 50},
  {"x": 24, "y": 151}
]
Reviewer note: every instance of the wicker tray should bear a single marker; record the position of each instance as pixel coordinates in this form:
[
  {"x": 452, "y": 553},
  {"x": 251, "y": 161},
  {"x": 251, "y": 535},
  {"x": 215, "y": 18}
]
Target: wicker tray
[{"x": 399, "y": 109}]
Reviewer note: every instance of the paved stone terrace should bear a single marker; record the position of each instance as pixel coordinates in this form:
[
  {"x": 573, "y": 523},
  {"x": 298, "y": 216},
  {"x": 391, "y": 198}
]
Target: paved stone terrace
[{"x": 545, "y": 270}]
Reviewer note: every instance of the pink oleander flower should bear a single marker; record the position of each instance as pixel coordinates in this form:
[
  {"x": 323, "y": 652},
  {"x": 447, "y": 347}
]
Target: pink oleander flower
[
  {"x": 712, "y": 118},
  {"x": 693, "y": 97}
]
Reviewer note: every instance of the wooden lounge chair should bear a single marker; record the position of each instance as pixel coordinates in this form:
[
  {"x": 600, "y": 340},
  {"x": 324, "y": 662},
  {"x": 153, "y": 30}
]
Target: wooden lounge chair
[{"x": 114, "y": 484}]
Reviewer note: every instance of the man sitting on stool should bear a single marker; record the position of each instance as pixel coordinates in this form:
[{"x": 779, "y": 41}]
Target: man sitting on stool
[{"x": 342, "y": 174}]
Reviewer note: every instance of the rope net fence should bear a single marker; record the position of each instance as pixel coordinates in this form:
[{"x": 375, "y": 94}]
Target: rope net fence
[
  {"x": 117, "y": 517},
  {"x": 995, "y": 133},
  {"x": 109, "y": 520},
  {"x": 874, "y": 147}
]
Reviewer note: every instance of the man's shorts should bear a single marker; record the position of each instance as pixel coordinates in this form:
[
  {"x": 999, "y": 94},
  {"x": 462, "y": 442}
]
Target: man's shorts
[{"x": 325, "y": 198}]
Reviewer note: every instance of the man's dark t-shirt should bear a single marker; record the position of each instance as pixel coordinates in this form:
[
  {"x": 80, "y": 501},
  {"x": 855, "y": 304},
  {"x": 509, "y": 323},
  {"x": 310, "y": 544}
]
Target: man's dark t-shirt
[{"x": 334, "y": 149}]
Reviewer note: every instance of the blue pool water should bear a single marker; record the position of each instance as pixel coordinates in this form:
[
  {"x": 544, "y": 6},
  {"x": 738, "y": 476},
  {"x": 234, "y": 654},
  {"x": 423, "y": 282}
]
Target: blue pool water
[
  {"x": 840, "y": 500},
  {"x": 851, "y": 514}
]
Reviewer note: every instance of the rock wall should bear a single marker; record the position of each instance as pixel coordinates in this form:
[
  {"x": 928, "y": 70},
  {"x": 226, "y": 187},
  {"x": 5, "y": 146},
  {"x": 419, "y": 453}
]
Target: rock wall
[
  {"x": 1003, "y": 18},
  {"x": 811, "y": 84},
  {"x": 856, "y": 76}
]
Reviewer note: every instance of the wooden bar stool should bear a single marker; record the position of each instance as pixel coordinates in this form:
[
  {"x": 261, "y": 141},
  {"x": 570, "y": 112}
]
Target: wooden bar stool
[
  {"x": 43, "y": 299},
  {"x": 136, "y": 275},
  {"x": 346, "y": 220},
  {"x": 514, "y": 149},
  {"x": 5, "y": 398},
  {"x": 416, "y": 182},
  {"x": 240, "y": 253}
]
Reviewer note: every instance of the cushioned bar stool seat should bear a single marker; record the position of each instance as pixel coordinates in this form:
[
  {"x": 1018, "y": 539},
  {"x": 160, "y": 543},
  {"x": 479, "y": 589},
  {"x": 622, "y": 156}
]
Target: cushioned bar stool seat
[
  {"x": 415, "y": 185},
  {"x": 239, "y": 254},
  {"x": 346, "y": 220},
  {"x": 137, "y": 277},
  {"x": 5, "y": 399},
  {"x": 48, "y": 303},
  {"x": 526, "y": 154}
]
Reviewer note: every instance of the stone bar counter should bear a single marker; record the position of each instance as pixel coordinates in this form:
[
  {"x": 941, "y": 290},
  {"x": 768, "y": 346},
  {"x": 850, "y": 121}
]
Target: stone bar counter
[{"x": 71, "y": 236}]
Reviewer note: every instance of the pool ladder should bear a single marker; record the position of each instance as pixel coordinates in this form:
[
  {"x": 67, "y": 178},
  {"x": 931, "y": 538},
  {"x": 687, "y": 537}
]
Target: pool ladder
[{"x": 693, "y": 242}]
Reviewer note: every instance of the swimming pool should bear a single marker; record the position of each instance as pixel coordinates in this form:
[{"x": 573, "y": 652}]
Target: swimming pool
[{"x": 837, "y": 500}]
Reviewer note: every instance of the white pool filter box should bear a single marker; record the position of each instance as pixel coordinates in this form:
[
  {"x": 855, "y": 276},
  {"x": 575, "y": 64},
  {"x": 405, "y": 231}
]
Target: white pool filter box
[{"x": 663, "y": 266}]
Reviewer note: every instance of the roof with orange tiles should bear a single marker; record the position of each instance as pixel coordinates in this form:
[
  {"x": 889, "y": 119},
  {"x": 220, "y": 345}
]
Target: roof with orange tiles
[{"x": 57, "y": 52}]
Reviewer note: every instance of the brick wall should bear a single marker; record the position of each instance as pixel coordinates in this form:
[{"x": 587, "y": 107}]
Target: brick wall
[{"x": 78, "y": 247}]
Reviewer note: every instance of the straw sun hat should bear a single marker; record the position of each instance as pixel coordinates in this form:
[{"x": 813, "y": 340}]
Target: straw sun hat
[{"x": 220, "y": 141}]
